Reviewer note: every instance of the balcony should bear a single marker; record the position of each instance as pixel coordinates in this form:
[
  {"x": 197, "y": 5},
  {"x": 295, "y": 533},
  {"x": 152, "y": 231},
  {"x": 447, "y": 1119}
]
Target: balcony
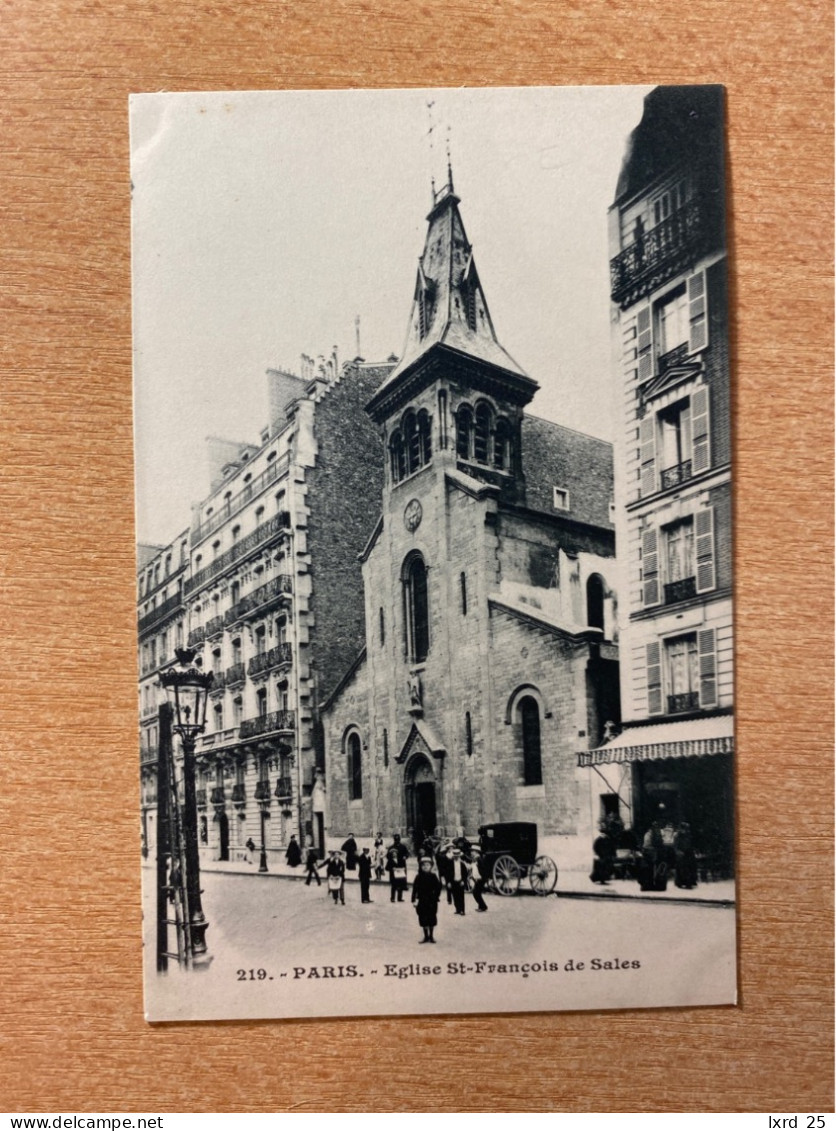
[
  {"x": 196, "y": 637},
  {"x": 218, "y": 795},
  {"x": 275, "y": 526},
  {"x": 679, "y": 473},
  {"x": 200, "y": 795},
  {"x": 214, "y": 627},
  {"x": 682, "y": 590},
  {"x": 154, "y": 616},
  {"x": 262, "y": 792},
  {"x": 658, "y": 255},
  {"x": 682, "y": 704},
  {"x": 234, "y": 675},
  {"x": 148, "y": 756},
  {"x": 272, "y": 723},
  {"x": 239, "y": 794},
  {"x": 273, "y": 593},
  {"x": 274, "y": 658},
  {"x": 250, "y": 490},
  {"x": 284, "y": 789}
]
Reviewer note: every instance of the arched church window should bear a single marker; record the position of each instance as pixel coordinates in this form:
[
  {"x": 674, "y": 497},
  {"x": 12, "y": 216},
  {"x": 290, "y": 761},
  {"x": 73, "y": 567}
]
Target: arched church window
[
  {"x": 595, "y": 601},
  {"x": 464, "y": 428},
  {"x": 502, "y": 449},
  {"x": 412, "y": 443},
  {"x": 354, "y": 768},
  {"x": 398, "y": 456},
  {"x": 482, "y": 433},
  {"x": 424, "y": 438},
  {"x": 529, "y": 715},
  {"x": 416, "y": 609}
]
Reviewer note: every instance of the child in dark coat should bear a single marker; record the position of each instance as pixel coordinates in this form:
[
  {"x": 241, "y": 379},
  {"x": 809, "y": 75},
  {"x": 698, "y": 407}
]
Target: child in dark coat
[{"x": 426, "y": 891}]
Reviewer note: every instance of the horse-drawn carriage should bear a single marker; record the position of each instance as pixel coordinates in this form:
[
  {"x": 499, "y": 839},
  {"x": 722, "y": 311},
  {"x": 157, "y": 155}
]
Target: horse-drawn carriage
[{"x": 509, "y": 854}]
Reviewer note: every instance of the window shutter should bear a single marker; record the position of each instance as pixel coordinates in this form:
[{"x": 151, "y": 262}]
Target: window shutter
[
  {"x": 654, "y": 679},
  {"x": 644, "y": 343},
  {"x": 700, "y": 430},
  {"x": 647, "y": 441},
  {"x": 697, "y": 313},
  {"x": 650, "y": 567},
  {"x": 708, "y": 668},
  {"x": 704, "y": 532}
]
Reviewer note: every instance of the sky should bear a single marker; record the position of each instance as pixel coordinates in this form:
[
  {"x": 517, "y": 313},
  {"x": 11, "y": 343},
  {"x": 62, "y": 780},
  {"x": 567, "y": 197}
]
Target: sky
[{"x": 265, "y": 223}]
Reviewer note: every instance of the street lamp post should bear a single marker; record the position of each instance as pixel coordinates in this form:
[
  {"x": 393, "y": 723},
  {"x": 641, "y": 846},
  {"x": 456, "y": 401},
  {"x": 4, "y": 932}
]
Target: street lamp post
[{"x": 188, "y": 691}]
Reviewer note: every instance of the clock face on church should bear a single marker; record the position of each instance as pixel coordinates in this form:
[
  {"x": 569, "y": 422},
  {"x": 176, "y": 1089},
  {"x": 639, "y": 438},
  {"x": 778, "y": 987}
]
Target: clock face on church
[{"x": 412, "y": 515}]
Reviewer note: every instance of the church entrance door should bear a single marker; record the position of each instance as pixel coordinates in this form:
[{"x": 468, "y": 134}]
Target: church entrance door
[{"x": 420, "y": 800}]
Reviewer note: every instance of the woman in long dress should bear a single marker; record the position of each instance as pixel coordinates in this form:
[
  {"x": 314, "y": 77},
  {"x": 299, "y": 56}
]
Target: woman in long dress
[{"x": 426, "y": 891}]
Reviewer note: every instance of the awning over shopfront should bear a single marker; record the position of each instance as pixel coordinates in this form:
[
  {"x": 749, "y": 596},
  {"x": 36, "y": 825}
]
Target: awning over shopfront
[{"x": 691, "y": 738}]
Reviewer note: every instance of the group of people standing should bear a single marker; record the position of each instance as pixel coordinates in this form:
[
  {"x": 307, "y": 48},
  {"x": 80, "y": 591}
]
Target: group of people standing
[
  {"x": 447, "y": 870},
  {"x": 665, "y": 849}
]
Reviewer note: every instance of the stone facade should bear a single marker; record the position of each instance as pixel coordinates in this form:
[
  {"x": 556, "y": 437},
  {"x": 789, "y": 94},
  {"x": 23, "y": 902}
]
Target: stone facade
[{"x": 483, "y": 667}]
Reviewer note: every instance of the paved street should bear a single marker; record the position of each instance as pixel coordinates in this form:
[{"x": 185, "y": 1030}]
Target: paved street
[{"x": 631, "y": 951}]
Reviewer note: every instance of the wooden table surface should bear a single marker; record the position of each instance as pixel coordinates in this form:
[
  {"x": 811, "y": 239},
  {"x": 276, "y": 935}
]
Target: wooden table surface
[{"x": 72, "y": 1036}]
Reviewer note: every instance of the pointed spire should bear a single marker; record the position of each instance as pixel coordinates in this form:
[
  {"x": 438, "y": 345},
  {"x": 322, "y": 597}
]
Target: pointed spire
[{"x": 449, "y": 308}]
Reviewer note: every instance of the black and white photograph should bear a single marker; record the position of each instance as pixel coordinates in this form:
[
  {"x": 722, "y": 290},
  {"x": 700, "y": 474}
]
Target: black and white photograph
[{"x": 434, "y": 551}]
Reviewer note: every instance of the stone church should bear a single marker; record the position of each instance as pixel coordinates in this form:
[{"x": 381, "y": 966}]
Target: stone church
[{"x": 491, "y": 641}]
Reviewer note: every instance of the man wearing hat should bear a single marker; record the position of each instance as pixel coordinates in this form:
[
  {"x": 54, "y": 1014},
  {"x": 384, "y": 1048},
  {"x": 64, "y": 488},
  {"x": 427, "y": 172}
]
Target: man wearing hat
[
  {"x": 477, "y": 880},
  {"x": 458, "y": 880}
]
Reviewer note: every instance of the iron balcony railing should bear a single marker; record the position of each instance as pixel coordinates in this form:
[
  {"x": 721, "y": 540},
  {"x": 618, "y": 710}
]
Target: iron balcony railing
[
  {"x": 679, "y": 473},
  {"x": 200, "y": 795},
  {"x": 153, "y": 616},
  {"x": 218, "y": 795},
  {"x": 671, "y": 358},
  {"x": 284, "y": 788},
  {"x": 681, "y": 590},
  {"x": 239, "y": 794},
  {"x": 281, "y": 654},
  {"x": 148, "y": 755},
  {"x": 687, "y": 701},
  {"x": 262, "y": 791},
  {"x": 270, "y": 723},
  {"x": 276, "y": 525},
  {"x": 197, "y": 636},
  {"x": 274, "y": 591},
  {"x": 214, "y": 627},
  {"x": 249, "y": 491},
  {"x": 658, "y": 254},
  {"x": 234, "y": 674}
]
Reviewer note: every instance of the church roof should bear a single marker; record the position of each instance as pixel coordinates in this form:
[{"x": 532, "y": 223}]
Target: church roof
[
  {"x": 448, "y": 304},
  {"x": 555, "y": 456}
]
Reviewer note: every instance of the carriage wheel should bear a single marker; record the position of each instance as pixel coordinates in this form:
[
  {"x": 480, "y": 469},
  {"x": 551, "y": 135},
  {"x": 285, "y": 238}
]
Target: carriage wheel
[
  {"x": 542, "y": 875},
  {"x": 506, "y": 875}
]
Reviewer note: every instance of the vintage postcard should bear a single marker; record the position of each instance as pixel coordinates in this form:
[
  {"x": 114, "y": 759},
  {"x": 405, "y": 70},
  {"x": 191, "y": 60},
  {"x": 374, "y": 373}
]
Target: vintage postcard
[{"x": 434, "y": 583}]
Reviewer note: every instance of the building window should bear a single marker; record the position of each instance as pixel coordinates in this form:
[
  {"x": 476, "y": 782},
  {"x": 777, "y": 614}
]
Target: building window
[
  {"x": 678, "y": 560},
  {"x": 468, "y": 734},
  {"x": 463, "y": 583},
  {"x": 382, "y": 622},
  {"x": 219, "y": 717},
  {"x": 482, "y": 432},
  {"x": 354, "y": 772},
  {"x": 672, "y": 327},
  {"x": 261, "y": 702},
  {"x": 561, "y": 499},
  {"x": 410, "y": 446},
  {"x": 385, "y": 749},
  {"x": 680, "y": 575},
  {"x": 237, "y": 710},
  {"x": 529, "y": 717},
  {"x": 503, "y": 445},
  {"x": 260, "y": 640},
  {"x": 416, "y": 609},
  {"x": 464, "y": 431},
  {"x": 682, "y": 673}
]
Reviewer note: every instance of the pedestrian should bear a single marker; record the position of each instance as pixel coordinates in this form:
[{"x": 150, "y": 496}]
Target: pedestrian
[
  {"x": 250, "y": 847},
  {"x": 444, "y": 863},
  {"x": 685, "y": 858},
  {"x": 458, "y": 880},
  {"x": 426, "y": 891},
  {"x": 653, "y": 868},
  {"x": 364, "y": 872},
  {"x": 335, "y": 871},
  {"x": 379, "y": 857},
  {"x": 477, "y": 880},
  {"x": 312, "y": 868},
  {"x": 294, "y": 853},
  {"x": 396, "y": 858},
  {"x": 350, "y": 850},
  {"x": 604, "y": 848}
]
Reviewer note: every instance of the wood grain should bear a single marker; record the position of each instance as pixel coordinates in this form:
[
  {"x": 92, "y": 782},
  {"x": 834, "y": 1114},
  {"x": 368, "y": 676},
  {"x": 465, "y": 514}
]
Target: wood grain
[{"x": 73, "y": 1037}]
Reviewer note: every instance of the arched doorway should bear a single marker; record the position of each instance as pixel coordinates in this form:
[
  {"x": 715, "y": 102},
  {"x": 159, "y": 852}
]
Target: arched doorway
[{"x": 420, "y": 799}]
